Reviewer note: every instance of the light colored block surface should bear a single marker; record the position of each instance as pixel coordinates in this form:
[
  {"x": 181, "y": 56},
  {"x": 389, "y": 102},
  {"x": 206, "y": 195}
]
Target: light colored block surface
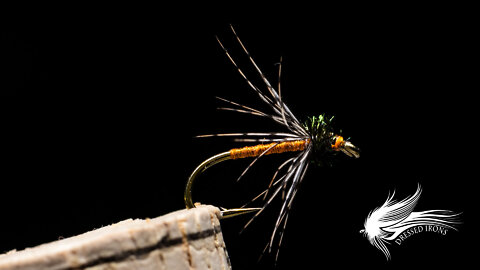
[{"x": 185, "y": 239}]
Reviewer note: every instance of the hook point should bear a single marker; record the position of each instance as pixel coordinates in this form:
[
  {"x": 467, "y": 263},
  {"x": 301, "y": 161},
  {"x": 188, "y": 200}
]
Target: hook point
[{"x": 227, "y": 213}]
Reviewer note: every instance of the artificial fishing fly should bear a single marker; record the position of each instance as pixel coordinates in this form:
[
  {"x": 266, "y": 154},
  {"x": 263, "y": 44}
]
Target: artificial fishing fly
[{"x": 315, "y": 141}]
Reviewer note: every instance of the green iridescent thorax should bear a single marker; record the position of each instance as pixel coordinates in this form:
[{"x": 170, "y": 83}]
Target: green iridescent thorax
[{"x": 322, "y": 137}]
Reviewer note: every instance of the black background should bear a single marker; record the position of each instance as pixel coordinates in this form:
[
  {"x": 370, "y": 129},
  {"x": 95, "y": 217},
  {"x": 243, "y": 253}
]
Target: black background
[{"x": 100, "y": 105}]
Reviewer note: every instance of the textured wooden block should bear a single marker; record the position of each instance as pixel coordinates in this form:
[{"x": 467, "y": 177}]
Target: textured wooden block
[{"x": 185, "y": 239}]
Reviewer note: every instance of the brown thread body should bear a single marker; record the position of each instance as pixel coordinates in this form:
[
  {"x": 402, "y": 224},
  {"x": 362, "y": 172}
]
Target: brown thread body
[{"x": 276, "y": 148}]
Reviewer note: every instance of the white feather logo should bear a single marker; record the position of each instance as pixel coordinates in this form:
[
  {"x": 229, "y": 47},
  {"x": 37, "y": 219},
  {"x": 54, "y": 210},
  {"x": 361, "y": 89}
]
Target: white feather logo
[{"x": 387, "y": 222}]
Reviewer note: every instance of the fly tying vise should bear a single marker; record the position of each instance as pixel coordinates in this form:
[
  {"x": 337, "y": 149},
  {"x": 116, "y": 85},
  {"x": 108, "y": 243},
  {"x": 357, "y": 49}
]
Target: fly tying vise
[{"x": 314, "y": 140}]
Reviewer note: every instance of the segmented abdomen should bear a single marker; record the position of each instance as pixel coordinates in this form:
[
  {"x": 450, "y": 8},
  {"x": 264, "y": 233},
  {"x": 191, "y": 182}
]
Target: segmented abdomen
[{"x": 273, "y": 148}]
